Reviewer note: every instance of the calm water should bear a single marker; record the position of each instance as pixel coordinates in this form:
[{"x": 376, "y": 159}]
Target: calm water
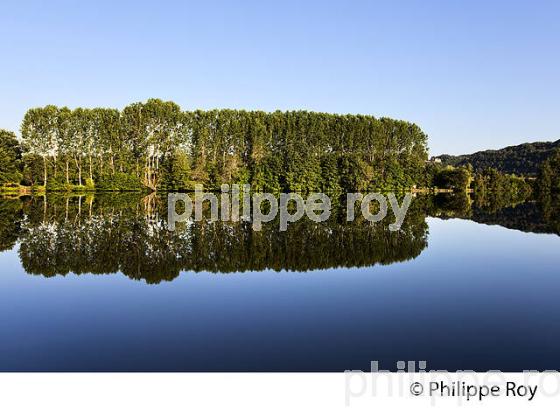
[{"x": 100, "y": 284}]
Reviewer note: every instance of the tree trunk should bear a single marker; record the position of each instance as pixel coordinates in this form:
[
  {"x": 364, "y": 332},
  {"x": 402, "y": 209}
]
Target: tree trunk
[
  {"x": 79, "y": 168},
  {"x": 67, "y": 206},
  {"x": 45, "y": 171}
]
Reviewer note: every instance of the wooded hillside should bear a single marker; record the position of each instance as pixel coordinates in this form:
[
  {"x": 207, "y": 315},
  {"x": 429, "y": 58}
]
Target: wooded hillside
[{"x": 524, "y": 159}]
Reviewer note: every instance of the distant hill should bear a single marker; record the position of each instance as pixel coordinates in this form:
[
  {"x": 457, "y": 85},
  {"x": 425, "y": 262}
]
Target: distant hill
[{"x": 523, "y": 159}]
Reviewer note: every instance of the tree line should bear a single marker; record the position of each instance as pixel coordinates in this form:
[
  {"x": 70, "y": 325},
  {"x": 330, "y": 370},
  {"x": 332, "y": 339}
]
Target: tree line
[
  {"x": 10, "y": 158},
  {"x": 156, "y": 145},
  {"x": 548, "y": 181},
  {"x": 486, "y": 182},
  {"x": 524, "y": 159}
]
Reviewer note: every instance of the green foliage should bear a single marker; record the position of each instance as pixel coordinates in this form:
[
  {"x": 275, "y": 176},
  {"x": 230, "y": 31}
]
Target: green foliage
[
  {"x": 330, "y": 178},
  {"x": 524, "y": 159},
  {"x": 351, "y": 172},
  {"x": 243, "y": 177},
  {"x": 60, "y": 184},
  {"x": 90, "y": 184},
  {"x": 548, "y": 180},
  {"x": 167, "y": 149},
  {"x": 279, "y": 151},
  {"x": 303, "y": 173},
  {"x": 176, "y": 172},
  {"x": 457, "y": 179},
  {"x": 32, "y": 170},
  {"x": 266, "y": 176},
  {"x": 119, "y": 181},
  {"x": 491, "y": 186},
  {"x": 10, "y": 158}
]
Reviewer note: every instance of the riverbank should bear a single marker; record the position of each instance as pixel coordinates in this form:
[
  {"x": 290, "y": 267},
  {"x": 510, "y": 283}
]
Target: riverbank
[
  {"x": 21, "y": 190},
  {"x": 40, "y": 190},
  {"x": 70, "y": 189}
]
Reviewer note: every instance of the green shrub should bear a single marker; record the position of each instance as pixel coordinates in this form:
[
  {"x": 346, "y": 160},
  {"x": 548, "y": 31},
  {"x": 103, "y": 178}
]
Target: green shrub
[
  {"x": 120, "y": 181},
  {"x": 59, "y": 184},
  {"x": 90, "y": 185}
]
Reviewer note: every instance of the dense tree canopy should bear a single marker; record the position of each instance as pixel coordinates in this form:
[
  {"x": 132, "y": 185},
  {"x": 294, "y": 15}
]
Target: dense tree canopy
[
  {"x": 524, "y": 159},
  {"x": 10, "y": 158},
  {"x": 457, "y": 179},
  {"x": 155, "y": 145},
  {"x": 548, "y": 181},
  {"x": 489, "y": 183},
  {"x": 158, "y": 146}
]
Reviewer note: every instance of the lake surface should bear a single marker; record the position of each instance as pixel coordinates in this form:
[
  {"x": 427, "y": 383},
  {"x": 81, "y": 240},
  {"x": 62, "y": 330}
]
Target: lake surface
[{"x": 100, "y": 284}]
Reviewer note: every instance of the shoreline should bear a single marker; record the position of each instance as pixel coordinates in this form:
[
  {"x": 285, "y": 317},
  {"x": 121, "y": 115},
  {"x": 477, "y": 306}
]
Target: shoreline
[{"x": 41, "y": 190}]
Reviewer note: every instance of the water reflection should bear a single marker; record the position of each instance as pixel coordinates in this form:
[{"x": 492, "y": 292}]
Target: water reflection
[
  {"x": 128, "y": 233},
  {"x": 539, "y": 215}
]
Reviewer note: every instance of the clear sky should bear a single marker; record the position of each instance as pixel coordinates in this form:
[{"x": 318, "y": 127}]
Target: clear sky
[{"x": 473, "y": 74}]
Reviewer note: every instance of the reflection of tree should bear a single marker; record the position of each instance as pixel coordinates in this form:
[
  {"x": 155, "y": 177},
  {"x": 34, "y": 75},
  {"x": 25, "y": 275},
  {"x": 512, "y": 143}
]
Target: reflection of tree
[
  {"x": 115, "y": 236},
  {"x": 491, "y": 203},
  {"x": 100, "y": 236},
  {"x": 448, "y": 205},
  {"x": 526, "y": 217},
  {"x": 127, "y": 233},
  {"x": 550, "y": 210},
  {"x": 540, "y": 216},
  {"x": 10, "y": 223}
]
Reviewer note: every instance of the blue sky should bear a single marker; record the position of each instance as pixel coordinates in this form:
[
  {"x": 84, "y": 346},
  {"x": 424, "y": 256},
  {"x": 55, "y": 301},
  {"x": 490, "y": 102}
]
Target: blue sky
[{"x": 473, "y": 75}]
